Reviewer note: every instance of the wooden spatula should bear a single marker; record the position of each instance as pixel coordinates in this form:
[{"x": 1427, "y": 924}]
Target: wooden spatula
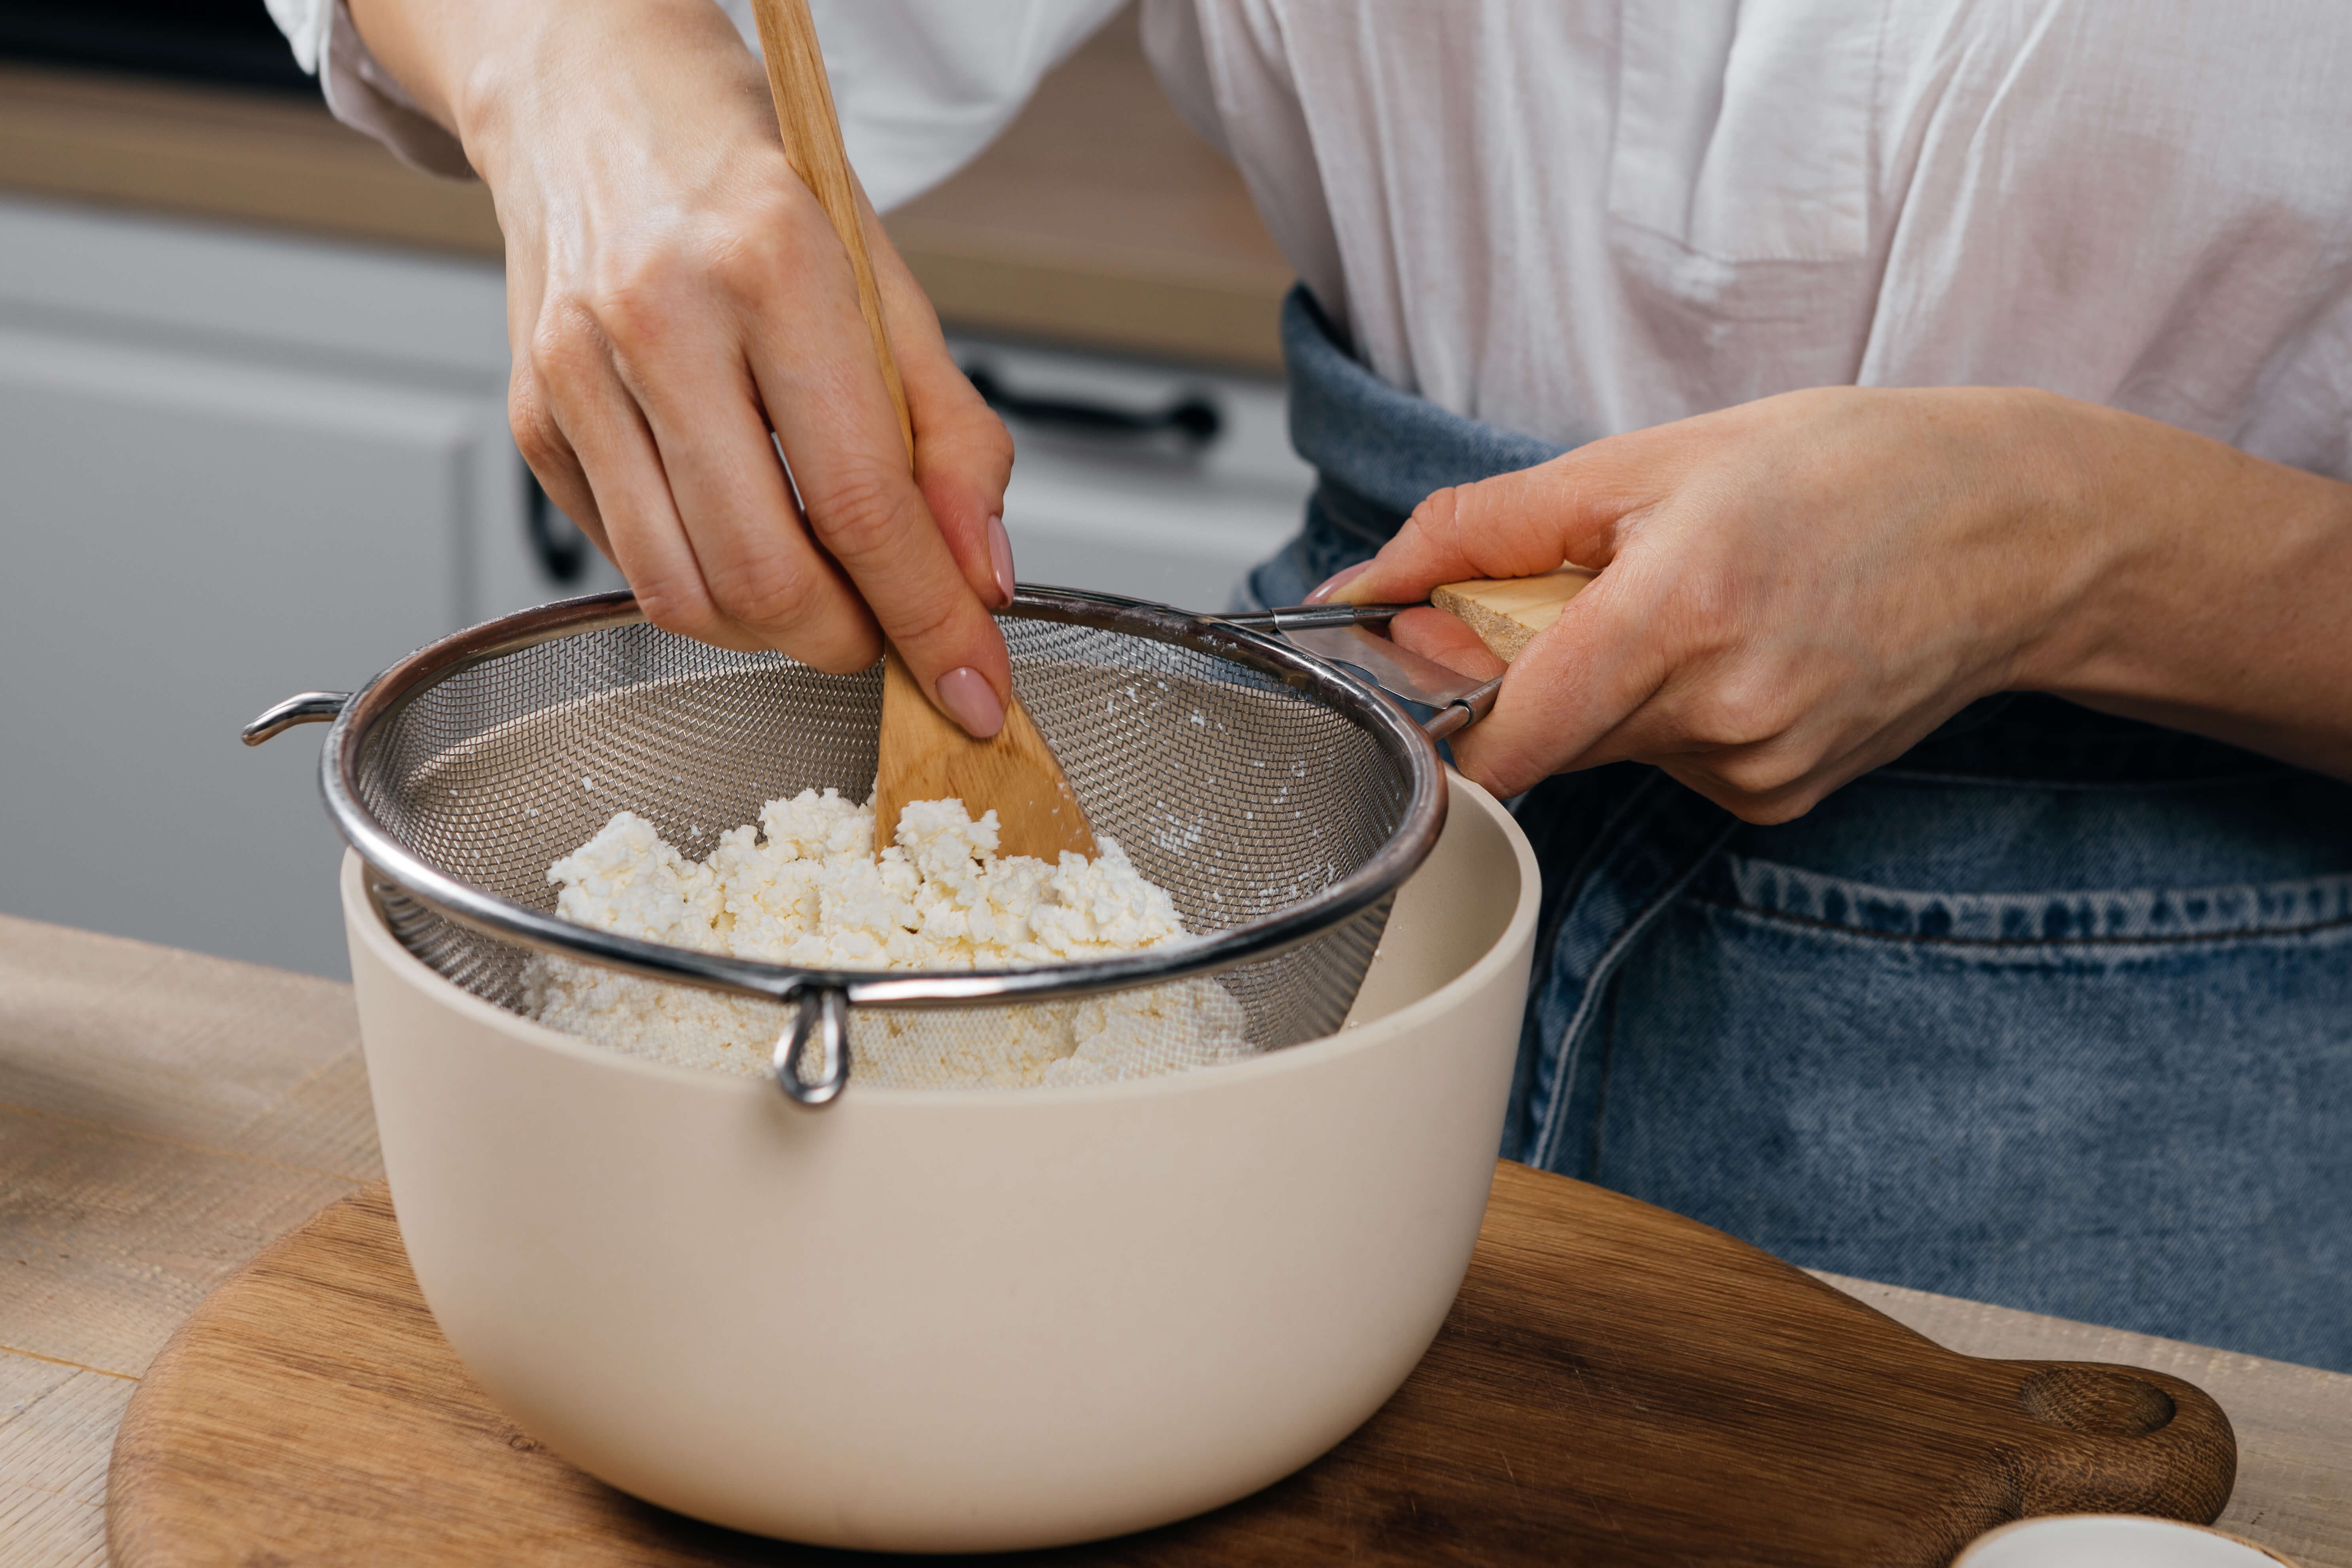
[{"x": 925, "y": 755}]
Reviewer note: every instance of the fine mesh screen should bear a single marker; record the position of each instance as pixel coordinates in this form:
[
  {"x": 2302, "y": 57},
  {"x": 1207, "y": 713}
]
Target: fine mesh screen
[{"x": 1236, "y": 792}]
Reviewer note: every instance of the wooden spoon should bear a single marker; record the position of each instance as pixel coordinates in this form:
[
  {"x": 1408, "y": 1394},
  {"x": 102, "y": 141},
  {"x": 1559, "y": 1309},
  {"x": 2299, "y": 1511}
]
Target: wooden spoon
[{"x": 925, "y": 755}]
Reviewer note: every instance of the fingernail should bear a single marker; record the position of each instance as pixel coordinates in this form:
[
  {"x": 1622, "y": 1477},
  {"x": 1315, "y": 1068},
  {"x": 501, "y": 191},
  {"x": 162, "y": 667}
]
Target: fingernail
[
  {"x": 1000, "y": 558},
  {"x": 1338, "y": 580},
  {"x": 971, "y": 702}
]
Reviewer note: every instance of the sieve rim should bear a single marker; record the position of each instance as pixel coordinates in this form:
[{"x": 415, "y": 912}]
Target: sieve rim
[{"x": 382, "y": 699}]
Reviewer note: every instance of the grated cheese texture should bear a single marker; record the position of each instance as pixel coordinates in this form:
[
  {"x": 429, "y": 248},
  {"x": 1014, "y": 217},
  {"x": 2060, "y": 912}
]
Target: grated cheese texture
[{"x": 804, "y": 887}]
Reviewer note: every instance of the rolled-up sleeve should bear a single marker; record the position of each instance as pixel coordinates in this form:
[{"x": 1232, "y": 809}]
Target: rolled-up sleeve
[
  {"x": 922, "y": 85},
  {"x": 362, "y": 94}
]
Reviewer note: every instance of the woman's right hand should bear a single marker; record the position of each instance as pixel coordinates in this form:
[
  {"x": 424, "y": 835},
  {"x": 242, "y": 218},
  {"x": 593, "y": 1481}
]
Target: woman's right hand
[{"x": 674, "y": 292}]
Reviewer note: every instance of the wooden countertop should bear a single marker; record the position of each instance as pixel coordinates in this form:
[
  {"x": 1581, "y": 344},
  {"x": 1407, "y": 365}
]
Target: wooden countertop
[
  {"x": 164, "y": 1115},
  {"x": 1098, "y": 219}
]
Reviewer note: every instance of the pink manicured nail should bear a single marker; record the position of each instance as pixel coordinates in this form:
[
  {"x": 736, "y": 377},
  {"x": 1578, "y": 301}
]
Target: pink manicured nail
[
  {"x": 1337, "y": 581},
  {"x": 971, "y": 702},
  {"x": 1000, "y": 558}
]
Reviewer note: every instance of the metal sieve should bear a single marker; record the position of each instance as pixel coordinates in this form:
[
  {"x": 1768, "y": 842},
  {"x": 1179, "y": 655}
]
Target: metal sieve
[{"x": 1279, "y": 800}]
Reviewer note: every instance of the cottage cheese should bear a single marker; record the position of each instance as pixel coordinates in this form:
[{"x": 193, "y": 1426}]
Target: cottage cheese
[{"x": 804, "y": 887}]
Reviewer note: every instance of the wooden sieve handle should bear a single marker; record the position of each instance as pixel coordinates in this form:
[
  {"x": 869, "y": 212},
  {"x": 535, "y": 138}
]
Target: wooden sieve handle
[{"x": 1506, "y": 612}]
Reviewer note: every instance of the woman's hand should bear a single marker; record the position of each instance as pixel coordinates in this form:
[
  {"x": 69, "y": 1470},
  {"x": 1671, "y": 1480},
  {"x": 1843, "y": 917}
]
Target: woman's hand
[
  {"x": 673, "y": 293},
  {"x": 1798, "y": 589}
]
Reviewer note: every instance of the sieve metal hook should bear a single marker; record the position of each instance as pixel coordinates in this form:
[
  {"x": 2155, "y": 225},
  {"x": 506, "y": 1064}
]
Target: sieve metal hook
[
  {"x": 823, "y": 1017},
  {"x": 302, "y": 708}
]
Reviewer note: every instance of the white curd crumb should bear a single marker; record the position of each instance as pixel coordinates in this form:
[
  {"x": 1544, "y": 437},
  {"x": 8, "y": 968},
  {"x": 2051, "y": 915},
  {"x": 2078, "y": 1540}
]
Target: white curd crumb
[{"x": 804, "y": 888}]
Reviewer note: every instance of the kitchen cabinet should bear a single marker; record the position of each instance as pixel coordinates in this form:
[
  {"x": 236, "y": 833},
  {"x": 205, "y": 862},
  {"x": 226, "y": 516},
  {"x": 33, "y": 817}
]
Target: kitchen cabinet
[
  {"x": 253, "y": 440},
  {"x": 236, "y": 464},
  {"x": 232, "y": 467}
]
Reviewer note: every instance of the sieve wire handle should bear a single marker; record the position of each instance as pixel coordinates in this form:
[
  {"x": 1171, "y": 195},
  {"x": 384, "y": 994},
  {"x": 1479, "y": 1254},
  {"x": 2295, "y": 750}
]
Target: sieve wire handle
[
  {"x": 820, "y": 1020},
  {"x": 1464, "y": 711},
  {"x": 1343, "y": 634}
]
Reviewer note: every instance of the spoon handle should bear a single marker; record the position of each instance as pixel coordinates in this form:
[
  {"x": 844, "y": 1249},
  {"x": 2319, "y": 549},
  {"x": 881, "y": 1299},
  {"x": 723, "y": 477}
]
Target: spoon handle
[{"x": 812, "y": 132}]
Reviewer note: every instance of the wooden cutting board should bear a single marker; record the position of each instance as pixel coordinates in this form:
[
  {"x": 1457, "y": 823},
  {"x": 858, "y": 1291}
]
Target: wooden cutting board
[{"x": 1616, "y": 1385}]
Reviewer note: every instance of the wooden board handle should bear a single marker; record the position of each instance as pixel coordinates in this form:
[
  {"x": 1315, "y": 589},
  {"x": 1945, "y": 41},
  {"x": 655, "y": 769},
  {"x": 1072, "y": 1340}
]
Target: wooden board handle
[
  {"x": 812, "y": 132},
  {"x": 2121, "y": 1440}
]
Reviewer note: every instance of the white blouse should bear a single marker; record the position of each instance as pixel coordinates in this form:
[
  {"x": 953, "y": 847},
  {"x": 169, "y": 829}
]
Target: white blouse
[{"x": 1572, "y": 218}]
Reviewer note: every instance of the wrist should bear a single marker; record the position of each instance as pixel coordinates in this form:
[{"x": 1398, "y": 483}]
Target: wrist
[
  {"x": 2216, "y": 604},
  {"x": 517, "y": 81},
  {"x": 2173, "y": 537},
  {"x": 2093, "y": 519},
  {"x": 507, "y": 75}
]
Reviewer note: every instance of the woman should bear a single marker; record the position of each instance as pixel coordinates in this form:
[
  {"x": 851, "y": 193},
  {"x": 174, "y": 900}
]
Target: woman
[{"x": 1948, "y": 861}]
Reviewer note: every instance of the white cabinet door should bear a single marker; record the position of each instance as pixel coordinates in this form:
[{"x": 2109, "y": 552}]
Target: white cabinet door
[{"x": 231, "y": 467}]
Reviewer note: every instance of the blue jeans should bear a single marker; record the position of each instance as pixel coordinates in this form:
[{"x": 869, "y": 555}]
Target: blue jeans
[{"x": 2054, "y": 1011}]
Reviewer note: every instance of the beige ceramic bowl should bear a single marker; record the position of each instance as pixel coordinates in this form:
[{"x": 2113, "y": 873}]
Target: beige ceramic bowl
[{"x": 958, "y": 1320}]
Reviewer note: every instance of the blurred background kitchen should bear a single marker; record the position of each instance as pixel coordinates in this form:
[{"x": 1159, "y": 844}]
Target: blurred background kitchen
[{"x": 252, "y": 435}]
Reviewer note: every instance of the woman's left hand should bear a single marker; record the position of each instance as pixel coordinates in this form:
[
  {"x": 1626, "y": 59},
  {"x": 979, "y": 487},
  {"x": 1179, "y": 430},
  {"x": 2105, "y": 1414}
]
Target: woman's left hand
[{"x": 1798, "y": 589}]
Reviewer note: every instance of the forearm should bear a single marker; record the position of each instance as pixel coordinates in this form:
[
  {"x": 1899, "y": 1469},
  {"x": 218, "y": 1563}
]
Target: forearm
[
  {"x": 474, "y": 65},
  {"x": 2223, "y": 601}
]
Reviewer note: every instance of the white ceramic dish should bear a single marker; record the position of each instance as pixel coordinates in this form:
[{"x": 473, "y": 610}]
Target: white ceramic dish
[
  {"x": 2112, "y": 1540},
  {"x": 958, "y": 1320}
]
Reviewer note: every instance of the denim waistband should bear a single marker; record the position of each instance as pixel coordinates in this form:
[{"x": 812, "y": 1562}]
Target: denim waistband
[
  {"x": 2131, "y": 917},
  {"x": 1378, "y": 452}
]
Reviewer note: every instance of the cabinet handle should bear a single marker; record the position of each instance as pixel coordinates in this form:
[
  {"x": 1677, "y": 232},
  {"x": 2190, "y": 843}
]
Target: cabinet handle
[
  {"x": 555, "y": 540},
  {"x": 1191, "y": 419}
]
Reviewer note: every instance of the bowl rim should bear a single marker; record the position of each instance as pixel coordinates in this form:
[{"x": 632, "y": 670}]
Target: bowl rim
[
  {"x": 2129, "y": 1520},
  {"x": 364, "y": 921}
]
